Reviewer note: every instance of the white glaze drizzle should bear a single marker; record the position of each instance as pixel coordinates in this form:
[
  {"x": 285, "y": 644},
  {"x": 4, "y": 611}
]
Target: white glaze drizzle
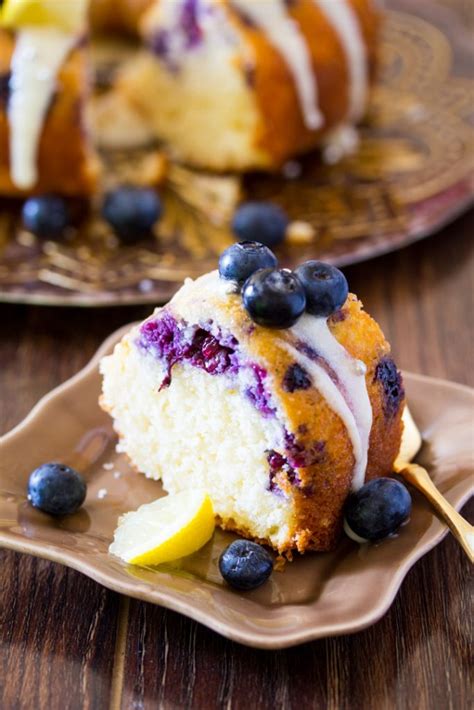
[
  {"x": 284, "y": 34},
  {"x": 334, "y": 398},
  {"x": 345, "y": 23},
  {"x": 339, "y": 143},
  {"x": 348, "y": 398},
  {"x": 37, "y": 58}
]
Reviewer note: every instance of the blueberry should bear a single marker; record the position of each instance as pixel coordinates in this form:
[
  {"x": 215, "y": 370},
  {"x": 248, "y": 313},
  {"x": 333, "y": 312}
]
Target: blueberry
[
  {"x": 56, "y": 489},
  {"x": 47, "y": 216},
  {"x": 274, "y": 298},
  {"x": 245, "y": 565},
  {"x": 325, "y": 286},
  {"x": 131, "y": 211},
  {"x": 296, "y": 378},
  {"x": 260, "y": 222},
  {"x": 378, "y": 508},
  {"x": 241, "y": 260},
  {"x": 390, "y": 378}
]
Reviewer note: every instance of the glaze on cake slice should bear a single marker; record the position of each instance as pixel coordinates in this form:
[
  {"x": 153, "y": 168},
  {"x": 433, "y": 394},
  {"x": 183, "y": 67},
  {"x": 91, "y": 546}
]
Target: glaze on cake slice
[{"x": 277, "y": 425}]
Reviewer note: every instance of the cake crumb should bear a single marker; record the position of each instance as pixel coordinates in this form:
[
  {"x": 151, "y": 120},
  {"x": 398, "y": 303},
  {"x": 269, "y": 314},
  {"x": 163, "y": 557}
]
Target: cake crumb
[
  {"x": 101, "y": 493},
  {"x": 26, "y": 239},
  {"x": 280, "y": 564},
  {"x": 300, "y": 232},
  {"x": 108, "y": 466}
]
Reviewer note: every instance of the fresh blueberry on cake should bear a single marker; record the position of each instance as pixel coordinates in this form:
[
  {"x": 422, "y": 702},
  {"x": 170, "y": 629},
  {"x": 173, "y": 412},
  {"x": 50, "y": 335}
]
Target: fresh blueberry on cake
[
  {"x": 279, "y": 424},
  {"x": 325, "y": 286},
  {"x": 241, "y": 260},
  {"x": 274, "y": 298}
]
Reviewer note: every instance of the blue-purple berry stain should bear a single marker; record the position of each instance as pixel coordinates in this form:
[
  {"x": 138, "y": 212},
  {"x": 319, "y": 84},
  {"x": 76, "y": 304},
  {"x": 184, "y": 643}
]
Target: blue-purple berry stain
[
  {"x": 214, "y": 352},
  {"x": 296, "y": 378},
  {"x": 4, "y": 89},
  {"x": 201, "y": 346},
  {"x": 390, "y": 378},
  {"x": 190, "y": 24},
  {"x": 186, "y": 35},
  {"x": 297, "y": 456}
]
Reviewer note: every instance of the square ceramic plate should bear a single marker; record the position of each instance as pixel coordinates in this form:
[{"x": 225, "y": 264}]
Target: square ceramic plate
[{"x": 316, "y": 596}]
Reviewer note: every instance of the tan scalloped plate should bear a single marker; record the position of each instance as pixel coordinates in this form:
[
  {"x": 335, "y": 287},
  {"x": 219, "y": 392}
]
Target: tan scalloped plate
[{"x": 316, "y": 596}]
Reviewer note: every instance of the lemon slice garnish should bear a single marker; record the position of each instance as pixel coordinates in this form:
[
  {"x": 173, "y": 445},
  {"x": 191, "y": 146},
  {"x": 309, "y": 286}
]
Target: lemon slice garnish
[
  {"x": 165, "y": 530},
  {"x": 67, "y": 15}
]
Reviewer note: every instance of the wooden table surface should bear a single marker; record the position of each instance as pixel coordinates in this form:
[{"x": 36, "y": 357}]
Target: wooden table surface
[{"x": 68, "y": 643}]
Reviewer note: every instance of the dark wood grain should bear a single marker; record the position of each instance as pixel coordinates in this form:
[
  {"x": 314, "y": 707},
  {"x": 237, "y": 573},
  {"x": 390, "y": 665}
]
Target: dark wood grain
[
  {"x": 59, "y": 630},
  {"x": 65, "y": 642}
]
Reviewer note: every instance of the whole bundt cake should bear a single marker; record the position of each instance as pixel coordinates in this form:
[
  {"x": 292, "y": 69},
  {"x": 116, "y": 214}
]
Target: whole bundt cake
[
  {"x": 278, "y": 424},
  {"x": 44, "y": 138},
  {"x": 244, "y": 84},
  {"x": 227, "y": 84}
]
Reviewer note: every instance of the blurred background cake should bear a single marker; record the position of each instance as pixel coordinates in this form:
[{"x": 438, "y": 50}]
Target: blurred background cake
[
  {"x": 45, "y": 143},
  {"x": 226, "y": 85},
  {"x": 238, "y": 85}
]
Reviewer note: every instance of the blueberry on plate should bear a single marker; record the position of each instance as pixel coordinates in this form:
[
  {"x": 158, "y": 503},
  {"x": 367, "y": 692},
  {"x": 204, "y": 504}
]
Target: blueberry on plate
[
  {"x": 241, "y": 260},
  {"x": 56, "y": 489},
  {"x": 260, "y": 222},
  {"x": 325, "y": 286},
  {"x": 377, "y": 509},
  {"x": 47, "y": 216},
  {"x": 274, "y": 298},
  {"x": 245, "y": 565},
  {"x": 132, "y": 211}
]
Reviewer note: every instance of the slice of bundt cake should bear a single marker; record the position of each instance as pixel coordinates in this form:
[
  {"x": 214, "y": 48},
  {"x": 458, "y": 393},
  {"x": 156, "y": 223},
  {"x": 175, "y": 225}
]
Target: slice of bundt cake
[
  {"x": 243, "y": 84},
  {"x": 44, "y": 138},
  {"x": 277, "y": 415}
]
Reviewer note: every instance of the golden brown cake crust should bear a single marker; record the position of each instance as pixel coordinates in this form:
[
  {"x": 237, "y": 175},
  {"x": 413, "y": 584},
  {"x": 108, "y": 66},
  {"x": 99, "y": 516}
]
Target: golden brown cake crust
[
  {"x": 282, "y": 131},
  {"x": 66, "y": 162},
  {"x": 319, "y": 499}
]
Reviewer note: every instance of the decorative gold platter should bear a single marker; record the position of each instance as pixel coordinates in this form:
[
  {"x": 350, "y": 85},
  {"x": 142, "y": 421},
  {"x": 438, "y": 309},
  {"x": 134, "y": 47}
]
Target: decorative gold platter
[{"x": 411, "y": 175}]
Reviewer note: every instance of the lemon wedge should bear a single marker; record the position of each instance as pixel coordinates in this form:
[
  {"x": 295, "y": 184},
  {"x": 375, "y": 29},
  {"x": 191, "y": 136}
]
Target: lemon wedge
[
  {"x": 165, "y": 530},
  {"x": 67, "y": 15}
]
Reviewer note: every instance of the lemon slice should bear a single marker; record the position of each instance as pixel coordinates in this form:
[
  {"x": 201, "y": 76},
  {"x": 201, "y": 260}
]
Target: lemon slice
[
  {"x": 165, "y": 530},
  {"x": 67, "y": 15}
]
